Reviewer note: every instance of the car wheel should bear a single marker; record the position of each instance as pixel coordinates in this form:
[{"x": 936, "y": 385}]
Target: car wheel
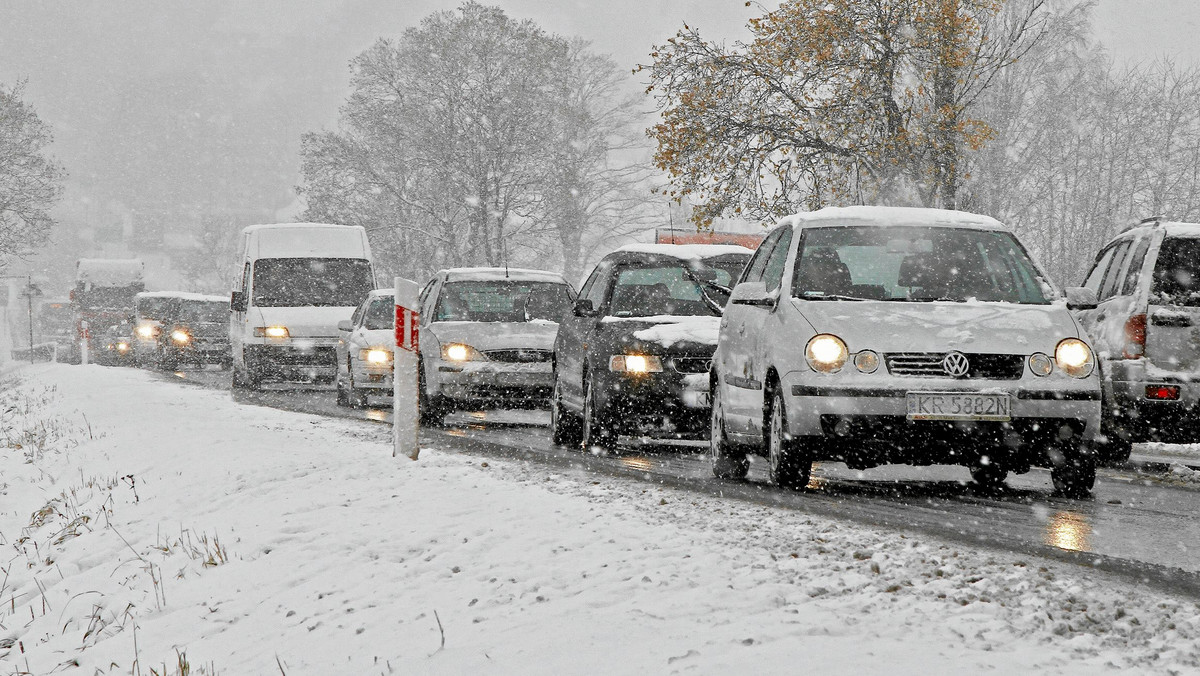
[
  {"x": 1075, "y": 476},
  {"x": 564, "y": 425},
  {"x": 356, "y": 397},
  {"x": 728, "y": 461},
  {"x": 247, "y": 378},
  {"x": 788, "y": 465},
  {"x": 989, "y": 476},
  {"x": 596, "y": 431},
  {"x": 432, "y": 410}
]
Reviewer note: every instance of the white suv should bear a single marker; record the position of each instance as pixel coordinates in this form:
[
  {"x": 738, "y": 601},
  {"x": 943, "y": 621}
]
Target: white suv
[
  {"x": 1147, "y": 334},
  {"x": 876, "y": 335}
]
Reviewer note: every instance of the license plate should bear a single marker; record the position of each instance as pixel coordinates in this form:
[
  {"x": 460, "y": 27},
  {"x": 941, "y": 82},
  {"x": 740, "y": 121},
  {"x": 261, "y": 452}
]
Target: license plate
[{"x": 958, "y": 406}]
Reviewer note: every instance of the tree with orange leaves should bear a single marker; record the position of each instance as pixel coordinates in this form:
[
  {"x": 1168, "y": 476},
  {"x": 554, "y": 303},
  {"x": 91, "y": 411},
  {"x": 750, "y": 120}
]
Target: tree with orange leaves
[{"x": 833, "y": 102}]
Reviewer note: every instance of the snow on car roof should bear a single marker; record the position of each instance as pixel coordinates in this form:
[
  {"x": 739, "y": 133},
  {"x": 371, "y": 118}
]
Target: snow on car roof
[
  {"x": 286, "y": 226},
  {"x": 381, "y": 293},
  {"x": 184, "y": 295},
  {"x": 109, "y": 271},
  {"x": 687, "y": 251},
  {"x": 492, "y": 274},
  {"x": 883, "y": 216},
  {"x": 1177, "y": 229}
]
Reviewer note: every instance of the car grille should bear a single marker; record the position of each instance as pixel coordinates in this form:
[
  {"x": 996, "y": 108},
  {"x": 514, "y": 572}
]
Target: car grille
[
  {"x": 293, "y": 356},
  {"x": 519, "y": 356},
  {"x": 691, "y": 364},
  {"x": 982, "y": 366}
]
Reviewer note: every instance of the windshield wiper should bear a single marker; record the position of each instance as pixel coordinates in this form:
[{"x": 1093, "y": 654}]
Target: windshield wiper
[
  {"x": 716, "y": 307},
  {"x": 821, "y": 295}
]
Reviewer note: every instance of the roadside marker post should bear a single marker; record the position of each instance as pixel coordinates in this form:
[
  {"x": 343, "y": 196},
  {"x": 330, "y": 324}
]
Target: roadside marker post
[{"x": 404, "y": 375}]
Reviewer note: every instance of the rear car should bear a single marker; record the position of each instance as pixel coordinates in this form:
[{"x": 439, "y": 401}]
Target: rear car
[
  {"x": 151, "y": 308},
  {"x": 1147, "y": 332},
  {"x": 487, "y": 336},
  {"x": 364, "y": 353},
  {"x": 634, "y": 354},
  {"x": 194, "y": 331},
  {"x": 874, "y": 336}
]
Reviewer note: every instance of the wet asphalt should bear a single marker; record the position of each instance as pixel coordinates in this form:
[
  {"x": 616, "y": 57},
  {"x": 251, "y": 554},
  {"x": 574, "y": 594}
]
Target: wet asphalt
[{"x": 1138, "y": 525}]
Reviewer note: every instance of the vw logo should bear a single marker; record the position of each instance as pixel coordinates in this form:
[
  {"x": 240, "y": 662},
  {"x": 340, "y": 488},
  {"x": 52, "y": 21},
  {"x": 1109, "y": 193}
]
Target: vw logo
[{"x": 956, "y": 364}]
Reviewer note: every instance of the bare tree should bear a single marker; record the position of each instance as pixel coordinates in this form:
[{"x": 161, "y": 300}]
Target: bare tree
[{"x": 30, "y": 182}]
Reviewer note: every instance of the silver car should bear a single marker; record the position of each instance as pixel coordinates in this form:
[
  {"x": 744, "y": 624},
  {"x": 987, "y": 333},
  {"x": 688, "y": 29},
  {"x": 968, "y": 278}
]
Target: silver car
[
  {"x": 487, "y": 338},
  {"x": 1147, "y": 333},
  {"x": 876, "y": 335},
  {"x": 365, "y": 350}
]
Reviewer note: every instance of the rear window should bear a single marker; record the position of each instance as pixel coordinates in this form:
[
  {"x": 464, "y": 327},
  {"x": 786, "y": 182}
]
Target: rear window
[{"x": 1177, "y": 273}]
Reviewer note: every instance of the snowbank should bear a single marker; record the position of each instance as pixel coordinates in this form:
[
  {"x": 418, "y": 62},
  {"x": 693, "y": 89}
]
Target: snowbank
[{"x": 258, "y": 541}]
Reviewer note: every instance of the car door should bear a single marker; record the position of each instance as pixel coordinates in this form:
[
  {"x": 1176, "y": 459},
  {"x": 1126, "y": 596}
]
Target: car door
[
  {"x": 1173, "y": 313},
  {"x": 735, "y": 344},
  {"x": 428, "y": 348},
  {"x": 574, "y": 333},
  {"x": 1113, "y": 310}
]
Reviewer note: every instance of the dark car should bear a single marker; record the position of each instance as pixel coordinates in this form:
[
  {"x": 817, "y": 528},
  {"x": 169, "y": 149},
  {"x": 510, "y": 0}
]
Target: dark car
[
  {"x": 633, "y": 356},
  {"x": 195, "y": 330}
]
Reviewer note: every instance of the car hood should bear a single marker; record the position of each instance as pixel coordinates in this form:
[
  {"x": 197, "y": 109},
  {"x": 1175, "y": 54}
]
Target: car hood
[
  {"x": 302, "y": 322},
  {"x": 987, "y": 328},
  {"x": 485, "y": 336},
  {"x": 688, "y": 335},
  {"x": 379, "y": 338}
]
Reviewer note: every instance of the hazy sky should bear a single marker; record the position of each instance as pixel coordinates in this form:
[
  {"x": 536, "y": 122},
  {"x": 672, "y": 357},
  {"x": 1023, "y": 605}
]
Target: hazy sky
[{"x": 160, "y": 104}]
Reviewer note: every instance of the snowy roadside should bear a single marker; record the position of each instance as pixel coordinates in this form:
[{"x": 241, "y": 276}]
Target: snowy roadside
[{"x": 141, "y": 520}]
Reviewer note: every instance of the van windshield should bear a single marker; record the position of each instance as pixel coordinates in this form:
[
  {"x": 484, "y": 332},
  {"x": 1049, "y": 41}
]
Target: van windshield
[
  {"x": 1177, "y": 272},
  {"x": 202, "y": 312},
  {"x": 311, "y": 282}
]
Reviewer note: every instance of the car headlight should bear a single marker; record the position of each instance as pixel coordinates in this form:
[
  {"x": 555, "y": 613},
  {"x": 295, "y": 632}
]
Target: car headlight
[
  {"x": 826, "y": 353},
  {"x": 375, "y": 355},
  {"x": 122, "y": 347},
  {"x": 461, "y": 352},
  {"x": 635, "y": 363},
  {"x": 180, "y": 336},
  {"x": 271, "y": 332},
  {"x": 147, "y": 331},
  {"x": 1041, "y": 364},
  {"x": 1074, "y": 357}
]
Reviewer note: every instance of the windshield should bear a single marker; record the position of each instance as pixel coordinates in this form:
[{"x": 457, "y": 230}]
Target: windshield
[
  {"x": 381, "y": 314},
  {"x": 502, "y": 301},
  {"x": 306, "y": 282},
  {"x": 201, "y": 312},
  {"x": 1177, "y": 273},
  {"x": 646, "y": 291},
  {"x": 916, "y": 264},
  {"x": 724, "y": 269},
  {"x": 154, "y": 307},
  {"x": 106, "y": 297}
]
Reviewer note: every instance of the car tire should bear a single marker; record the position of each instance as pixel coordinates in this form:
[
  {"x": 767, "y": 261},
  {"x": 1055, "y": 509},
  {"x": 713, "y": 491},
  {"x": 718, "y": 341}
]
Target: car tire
[
  {"x": 245, "y": 379},
  {"x": 596, "y": 432},
  {"x": 1075, "y": 475},
  {"x": 728, "y": 461},
  {"x": 989, "y": 476},
  {"x": 343, "y": 397},
  {"x": 431, "y": 410},
  {"x": 565, "y": 429},
  {"x": 357, "y": 398},
  {"x": 1115, "y": 442},
  {"x": 788, "y": 465}
]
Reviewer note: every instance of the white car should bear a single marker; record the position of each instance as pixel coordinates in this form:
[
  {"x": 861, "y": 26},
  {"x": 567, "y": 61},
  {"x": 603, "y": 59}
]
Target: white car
[
  {"x": 876, "y": 335},
  {"x": 487, "y": 338},
  {"x": 1147, "y": 333},
  {"x": 365, "y": 350}
]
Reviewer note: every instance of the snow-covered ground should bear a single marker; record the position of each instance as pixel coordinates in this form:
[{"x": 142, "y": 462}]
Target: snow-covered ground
[{"x": 143, "y": 520}]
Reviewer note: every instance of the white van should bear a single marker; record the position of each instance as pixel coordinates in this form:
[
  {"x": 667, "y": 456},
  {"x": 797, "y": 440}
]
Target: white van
[{"x": 297, "y": 281}]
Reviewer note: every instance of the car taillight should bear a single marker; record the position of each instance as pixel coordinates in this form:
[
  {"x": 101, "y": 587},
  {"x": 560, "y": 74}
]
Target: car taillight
[
  {"x": 1135, "y": 337},
  {"x": 1162, "y": 392}
]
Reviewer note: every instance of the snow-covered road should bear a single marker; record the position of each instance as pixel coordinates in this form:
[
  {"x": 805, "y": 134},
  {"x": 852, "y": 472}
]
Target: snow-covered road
[{"x": 144, "y": 519}]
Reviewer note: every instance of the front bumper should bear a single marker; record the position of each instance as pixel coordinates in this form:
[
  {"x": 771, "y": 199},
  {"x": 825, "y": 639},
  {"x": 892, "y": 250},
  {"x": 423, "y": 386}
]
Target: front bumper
[
  {"x": 869, "y": 419},
  {"x": 666, "y": 404},
  {"x": 1175, "y": 421},
  {"x": 496, "y": 382},
  {"x": 311, "y": 360}
]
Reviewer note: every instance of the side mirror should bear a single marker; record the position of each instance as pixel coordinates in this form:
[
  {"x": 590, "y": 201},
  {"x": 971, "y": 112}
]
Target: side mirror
[
  {"x": 1081, "y": 298},
  {"x": 237, "y": 301},
  {"x": 345, "y": 325},
  {"x": 583, "y": 308},
  {"x": 752, "y": 293}
]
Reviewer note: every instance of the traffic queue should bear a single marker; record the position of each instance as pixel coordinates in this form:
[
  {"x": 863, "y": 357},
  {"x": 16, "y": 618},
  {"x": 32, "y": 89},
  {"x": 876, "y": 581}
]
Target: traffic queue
[{"x": 864, "y": 335}]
